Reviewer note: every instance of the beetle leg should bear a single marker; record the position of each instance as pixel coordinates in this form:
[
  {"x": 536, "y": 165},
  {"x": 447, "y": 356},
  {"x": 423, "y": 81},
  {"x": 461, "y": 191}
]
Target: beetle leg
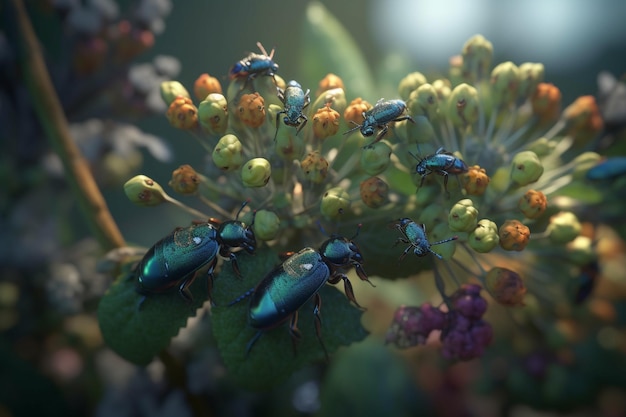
[
  {"x": 294, "y": 332},
  {"x": 210, "y": 279},
  {"x": 361, "y": 273},
  {"x": 445, "y": 183},
  {"x": 234, "y": 263},
  {"x": 253, "y": 341},
  {"x": 347, "y": 287},
  {"x": 405, "y": 117},
  {"x": 140, "y": 303},
  {"x": 302, "y": 124},
  {"x": 277, "y": 123},
  {"x": 379, "y": 136},
  {"x": 405, "y": 252},
  {"x": 184, "y": 291},
  {"x": 318, "y": 322},
  {"x": 400, "y": 240}
]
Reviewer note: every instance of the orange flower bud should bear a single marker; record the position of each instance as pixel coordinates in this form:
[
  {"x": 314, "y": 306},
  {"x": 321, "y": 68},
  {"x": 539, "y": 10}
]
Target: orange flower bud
[
  {"x": 374, "y": 192},
  {"x": 182, "y": 113},
  {"x": 475, "y": 180},
  {"x": 251, "y": 109},
  {"x": 205, "y": 85},
  {"x": 354, "y": 111},
  {"x": 329, "y": 82},
  {"x": 583, "y": 118},
  {"x": 325, "y": 122},
  {"x": 506, "y": 286},
  {"x": 514, "y": 235},
  {"x": 546, "y": 102},
  {"x": 533, "y": 204},
  {"x": 185, "y": 180}
]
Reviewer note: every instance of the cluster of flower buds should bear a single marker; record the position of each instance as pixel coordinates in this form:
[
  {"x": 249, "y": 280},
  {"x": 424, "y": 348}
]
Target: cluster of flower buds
[{"x": 464, "y": 334}]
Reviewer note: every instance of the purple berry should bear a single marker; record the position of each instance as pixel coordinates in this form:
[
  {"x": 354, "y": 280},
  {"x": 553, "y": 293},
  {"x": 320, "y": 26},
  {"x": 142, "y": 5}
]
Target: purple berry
[{"x": 412, "y": 325}]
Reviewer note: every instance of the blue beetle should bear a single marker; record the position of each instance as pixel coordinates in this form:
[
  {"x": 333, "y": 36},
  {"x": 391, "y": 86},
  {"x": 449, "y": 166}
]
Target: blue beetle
[
  {"x": 414, "y": 235},
  {"x": 378, "y": 117},
  {"x": 608, "y": 169},
  {"x": 441, "y": 162},
  {"x": 295, "y": 100},
  {"x": 255, "y": 64},
  {"x": 285, "y": 289},
  {"x": 175, "y": 260}
]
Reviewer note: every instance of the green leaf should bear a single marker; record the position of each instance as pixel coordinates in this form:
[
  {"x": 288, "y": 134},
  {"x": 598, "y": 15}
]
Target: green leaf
[
  {"x": 139, "y": 334},
  {"x": 328, "y": 47},
  {"x": 271, "y": 360}
]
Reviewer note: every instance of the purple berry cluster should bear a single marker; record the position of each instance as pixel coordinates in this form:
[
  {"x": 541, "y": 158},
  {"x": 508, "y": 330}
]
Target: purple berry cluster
[{"x": 464, "y": 334}]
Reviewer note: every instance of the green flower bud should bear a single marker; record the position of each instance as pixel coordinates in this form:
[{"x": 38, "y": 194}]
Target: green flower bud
[
  {"x": 542, "y": 146},
  {"x": 427, "y": 193},
  {"x": 500, "y": 179},
  {"x": 477, "y": 54},
  {"x": 505, "y": 79},
  {"x": 463, "y": 105},
  {"x": 144, "y": 191},
  {"x": 335, "y": 98},
  {"x": 583, "y": 163},
  {"x": 266, "y": 225},
  {"x": 228, "y": 153},
  {"x": 288, "y": 144},
  {"x": 256, "y": 172},
  {"x": 315, "y": 167},
  {"x": 172, "y": 89},
  {"x": 580, "y": 251},
  {"x": 463, "y": 216},
  {"x": 484, "y": 237},
  {"x": 334, "y": 203},
  {"x": 213, "y": 114},
  {"x": 430, "y": 215},
  {"x": 441, "y": 232},
  {"x": 410, "y": 83},
  {"x": 564, "y": 227},
  {"x": 531, "y": 74},
  {"x": 423, "y": 101},
  {"x": 374, "y": 192},
  {"x": 375, "y": 158},
  {"x": 442, "y": 87},
  {"x": 421, "y": 131},
  {"x": 526, "y": 168}
]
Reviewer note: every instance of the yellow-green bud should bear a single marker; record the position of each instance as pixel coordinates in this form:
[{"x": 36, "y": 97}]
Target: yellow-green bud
[
  {"x": 583, "y": 163},
  {"x": 172, "y": 89},
  {"x": 542, "y": 146},
  {"x": 289, "y": 145},
  {"x": 463, "y": 216},
  {"x": 506, "y": 286},
  {"x": 564, "y": 227},
  {"x": 477, "y": 55},
  {"x": 375, "y": 158},
  {"x": 335, "y": 98},
  {"x": 421, "y": 131},
  {"x": 144, "y": 191},
  {"x": 213, "y": 114},
  {"x": 526, "y": 168},
  {"x": 423, "y": 101},
  {"x": 500, "y": 179},
  {"x": 484, "y": 237},
  {"x": 505, "y": 81},
  {"x": 334, "y": 203},
  {"x": 580, "y": 251},
  {"x": 228, "y": 153},
  {"x": 442, "y": 87},
  {"x": 266, "y": 225},
  {"x": 410, "y": 83},
  {"x": 531, "y": 74},
  {"x": 374, "y": 192},
  {"x": 441, "y": 232},
  {"x": 430, "y": 215},
  {"x": 315, "y": 167},
  {"x": 256, "y": 172},
  {"x": 463, "y": 105}
]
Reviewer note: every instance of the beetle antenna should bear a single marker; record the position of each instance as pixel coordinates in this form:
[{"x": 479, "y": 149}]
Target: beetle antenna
[
  {"x": 319, "y": 225},
  {"x": 354, "y": 128},
  {"x": 358, "y": 229},
  {"x": 445, "y": 240},
  {"x": 245, "y": 203}
]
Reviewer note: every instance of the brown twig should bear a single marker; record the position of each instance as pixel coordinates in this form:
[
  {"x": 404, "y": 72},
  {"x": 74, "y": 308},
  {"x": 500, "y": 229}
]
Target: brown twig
[{"x": 54, "y": 122}]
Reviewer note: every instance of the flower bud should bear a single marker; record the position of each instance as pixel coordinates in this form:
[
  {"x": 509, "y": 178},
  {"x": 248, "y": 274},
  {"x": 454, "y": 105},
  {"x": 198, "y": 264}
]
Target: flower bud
[
  {"x": 505, "y": 81},
  {"x": 256, "y": 172},
  {"x": 423, "y": 101},
  {"x": 144, "y": 191},
  {"x": 463, "y": 216},
  {"x": 315, "y": 167},
  {"x": 514, "y": 235},
  {"x": 542, "y": 146},
  {"x": 375, "y": 158},
  {"x": 475, "y": 181},
  {"x": 533, "y": 204},
  {"x": 546, "y": 102},
  {"x": 205, "y": 85},
  {"x": 477, "y": 54},
  {"x": 530, "y": 75},
  {"x": 288, "y": 144},
  {"x": 431, "y": 215},
  {"x": 506, "y": 286},
  {"x": 325, "y": 122},
  {"x": 374, "y": 192},
  {"x": 442, "y": 87},
  {"x": 329, "y": 82},
  {"x": 266, "y": 225},
  {"x": 583, "y": 163},
  {"x": 581, "y": 251},
  {"x": 484, "y": 238},
  {"x": 185, "y": 180},
  {"x": 251, "y": 109},
  {"x": 335, "y": 98},
  {"x": 526, "y": 168},
  {"x": 410, "y": 83},
  {"x": 228, "y": 153},
  {"x": 463, "y": 105},
  {"x": 172, "y": 89},
  {"x": 182, "y": 113},
  {"x": 564, "y": 227},
  {"x": 334, "y": 203},
  {"x": 583, "y": 118},
  {"x": 354, "y": 112},
  {"x": 213, "y": 114}
]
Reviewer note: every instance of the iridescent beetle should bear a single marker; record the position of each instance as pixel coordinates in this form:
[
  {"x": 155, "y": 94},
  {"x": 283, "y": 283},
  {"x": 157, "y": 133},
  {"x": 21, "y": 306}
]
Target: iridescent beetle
[
  {"x": 379, "y": 116},
  {"x": 255, "y": 64},
  {"x": 175, "y": 260},
  {"x": 608, "y": 169},
  {"x": 441, "y": 162},
  {"x": 414, "y": 235},
  {"x": 285, "y": 289},
  {"x": 295, "y": 100}
]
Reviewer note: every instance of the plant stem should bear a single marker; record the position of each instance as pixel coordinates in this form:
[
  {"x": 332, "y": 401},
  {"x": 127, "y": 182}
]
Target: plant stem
[{"x": 50, "y": 112}]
